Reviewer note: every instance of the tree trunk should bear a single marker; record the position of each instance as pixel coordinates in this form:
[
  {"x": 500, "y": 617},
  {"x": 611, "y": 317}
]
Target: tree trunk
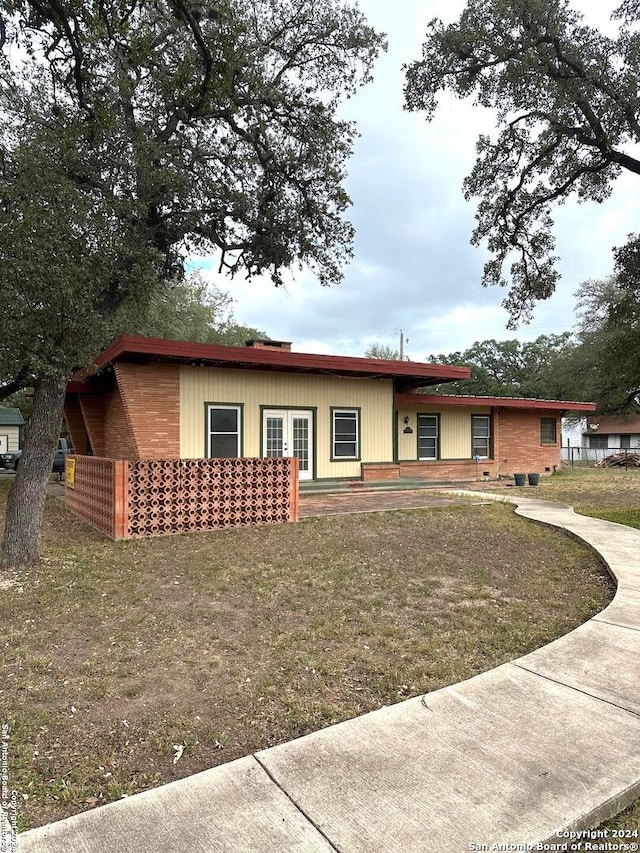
[{"x": 25, "y": 504}]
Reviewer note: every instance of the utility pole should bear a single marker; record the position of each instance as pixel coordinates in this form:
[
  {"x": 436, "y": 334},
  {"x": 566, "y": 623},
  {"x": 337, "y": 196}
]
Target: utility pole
[{"x": 403, "y": 341}]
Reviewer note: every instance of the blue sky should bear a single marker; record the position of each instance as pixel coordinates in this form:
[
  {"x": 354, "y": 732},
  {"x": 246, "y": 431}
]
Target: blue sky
[{"x": 414, "y": 269}]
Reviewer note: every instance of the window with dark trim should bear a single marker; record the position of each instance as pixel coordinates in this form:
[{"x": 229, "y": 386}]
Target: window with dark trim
[
  {"x": 548, "y": 427},
  {"x": 625, "y": 441},
  {"x": 598, "y": 442},
  {"x": 428, "y": 435},
  {"x": 345, "y": 434},
  {"x": 481, "y": 436},
  {"x": 223, "y": 431}
]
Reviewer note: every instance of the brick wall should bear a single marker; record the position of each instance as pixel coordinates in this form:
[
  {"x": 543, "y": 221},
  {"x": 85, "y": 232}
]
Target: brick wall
[
  {"x": 517, "y": 446},
  {"x": 380, "y": 471},
  {"x": 452, "y": 469},
  {"x": 92, "y": 407},
  {"x": 118, "y": 438},
  {"x": 150, "y": 397}
]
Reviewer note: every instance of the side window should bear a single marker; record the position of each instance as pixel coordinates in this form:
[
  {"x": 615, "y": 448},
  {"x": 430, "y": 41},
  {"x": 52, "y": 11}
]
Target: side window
[
  {"x": 625, "y": 442},
  {"x": 598, "y": 442},
  {"x": 428, "y": 434},
  {"x": 223, "y": 431},
  {"x": 481, "y": 436},
  {"x": 548, "y": 431},
  {"x": 345, "y": 434}
]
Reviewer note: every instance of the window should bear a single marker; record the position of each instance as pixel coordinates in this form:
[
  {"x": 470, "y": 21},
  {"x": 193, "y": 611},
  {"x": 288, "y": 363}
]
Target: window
[
  {"x": 625, "y": 442},
  {"x": 223, "y": 431},
  {"x": 598, "y": 442},
  {"x": 548, "y": 430},
  {"x": 345, "y": 433},
  {"x": 428, "y": 430},
  {"x": 481, "y": 436}
]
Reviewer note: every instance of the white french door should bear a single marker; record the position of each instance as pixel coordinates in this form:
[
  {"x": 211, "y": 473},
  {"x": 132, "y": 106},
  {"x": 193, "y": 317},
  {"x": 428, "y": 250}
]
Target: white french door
[{"x": 289, "y": 432}]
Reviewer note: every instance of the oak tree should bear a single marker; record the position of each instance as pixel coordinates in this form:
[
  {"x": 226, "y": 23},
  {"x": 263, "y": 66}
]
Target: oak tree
[
  {"x": 542, "y": 368},
  {"x": 567, "y": 104},
  {"x": 134, "y": 133}
]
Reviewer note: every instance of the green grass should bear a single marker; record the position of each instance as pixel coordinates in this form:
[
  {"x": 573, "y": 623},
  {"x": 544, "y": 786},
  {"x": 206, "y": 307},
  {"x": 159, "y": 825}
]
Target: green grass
[{"x": 119, "y": 656}]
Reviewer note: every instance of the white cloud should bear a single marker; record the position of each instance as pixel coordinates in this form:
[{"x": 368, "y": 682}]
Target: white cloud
[{"x": 414, "y": 268}]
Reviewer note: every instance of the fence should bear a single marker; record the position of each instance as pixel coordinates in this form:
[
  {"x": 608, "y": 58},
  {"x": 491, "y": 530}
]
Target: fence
[
  {"x": 131, "y": 499},
  {"x": 589, "y": 456}
]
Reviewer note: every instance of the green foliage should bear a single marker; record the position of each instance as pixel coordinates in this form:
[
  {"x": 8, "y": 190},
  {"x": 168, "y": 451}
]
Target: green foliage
[
  {"x": 609, "y": 335},
  {"x": 133, "y": 134},
  {"x": 567, "y": 103},
  {"x": 539, "y": 369},
  {"x": 22, "y": 400},
  {"x": 382, "y": 351},
  {"x": 191, "y": 310}
]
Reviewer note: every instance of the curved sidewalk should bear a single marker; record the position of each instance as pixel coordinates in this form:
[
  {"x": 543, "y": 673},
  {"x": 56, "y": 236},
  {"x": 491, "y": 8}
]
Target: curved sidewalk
[{"x": 522, "y": 754}]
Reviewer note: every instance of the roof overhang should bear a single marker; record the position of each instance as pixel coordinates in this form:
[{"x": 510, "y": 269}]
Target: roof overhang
[
  {"x": 133, "y": 348},
  {"x": 613, "y": 425},
  {"x": 500, "y": 402}
]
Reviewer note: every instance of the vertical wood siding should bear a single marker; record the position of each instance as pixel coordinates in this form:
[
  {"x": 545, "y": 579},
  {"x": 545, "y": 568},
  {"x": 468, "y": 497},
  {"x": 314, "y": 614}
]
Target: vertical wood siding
[
  {"x": 455, "y": 430},
  {"x": 253, "y": 389}
]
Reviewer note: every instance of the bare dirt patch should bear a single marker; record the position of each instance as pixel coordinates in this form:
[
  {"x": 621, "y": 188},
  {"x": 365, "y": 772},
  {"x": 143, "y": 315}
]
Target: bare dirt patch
[{"x": 129, "y": 665}]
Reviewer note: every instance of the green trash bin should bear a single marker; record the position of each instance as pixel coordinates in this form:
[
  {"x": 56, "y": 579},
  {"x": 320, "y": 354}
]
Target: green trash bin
[
  {"x": 521, "y": 479},
  {"x": 534, "y": 479}
]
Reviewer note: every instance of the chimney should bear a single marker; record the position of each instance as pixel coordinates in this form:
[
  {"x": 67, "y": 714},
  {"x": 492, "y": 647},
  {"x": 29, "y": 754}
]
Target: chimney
[{"x": 283, "y": 346}]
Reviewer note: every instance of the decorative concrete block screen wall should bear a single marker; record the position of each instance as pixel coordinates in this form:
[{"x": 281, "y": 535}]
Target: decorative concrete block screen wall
[{"x": 130, "y": 499}]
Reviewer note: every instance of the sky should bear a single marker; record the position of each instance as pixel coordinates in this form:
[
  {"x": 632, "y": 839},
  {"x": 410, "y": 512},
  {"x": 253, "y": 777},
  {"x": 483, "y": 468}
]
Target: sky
[{"x": 414, "y": 269}]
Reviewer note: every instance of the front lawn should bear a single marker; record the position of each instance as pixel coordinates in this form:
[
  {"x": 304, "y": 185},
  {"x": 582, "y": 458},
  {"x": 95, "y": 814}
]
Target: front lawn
[
  {"x": 129, "y": 665},
  {"x": 609, "y": 493}
]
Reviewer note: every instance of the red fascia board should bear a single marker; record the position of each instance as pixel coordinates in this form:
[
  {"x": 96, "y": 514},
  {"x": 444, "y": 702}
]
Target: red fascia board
[
  {"x": 76, "y": 388},
  {"x": 278, "y": 359},
  {"x": 503, "y": 402}
]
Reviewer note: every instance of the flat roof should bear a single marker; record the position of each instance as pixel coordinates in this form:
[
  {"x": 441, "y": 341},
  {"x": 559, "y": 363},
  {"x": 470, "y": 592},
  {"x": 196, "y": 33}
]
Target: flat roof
[
  {"x": 503, "y": 402},
  {"x": 139, "y": 349}
]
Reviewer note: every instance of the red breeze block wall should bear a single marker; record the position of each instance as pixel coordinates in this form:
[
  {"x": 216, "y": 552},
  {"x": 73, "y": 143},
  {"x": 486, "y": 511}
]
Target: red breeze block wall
[
  {"x": 150, "y": 396},
  {"x": 517, "y": 440}
]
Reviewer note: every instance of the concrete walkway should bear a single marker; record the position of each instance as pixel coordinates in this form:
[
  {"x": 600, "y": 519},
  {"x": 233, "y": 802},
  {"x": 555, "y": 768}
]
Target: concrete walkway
[{"x": 522, "y": 754}]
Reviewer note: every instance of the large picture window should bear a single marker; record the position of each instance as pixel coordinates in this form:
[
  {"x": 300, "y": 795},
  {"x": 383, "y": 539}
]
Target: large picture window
[
  {"x": 223, "y": 431},
  {"x": 428, "y": 434},
  {"x": 345, "y": 433},
  {"x": 548, "y": 431},
  {"x": 481, "y": 436}
]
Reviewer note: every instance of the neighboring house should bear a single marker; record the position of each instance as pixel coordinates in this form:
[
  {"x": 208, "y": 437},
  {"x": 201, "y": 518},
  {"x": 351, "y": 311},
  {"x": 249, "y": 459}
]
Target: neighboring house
[
  {"x": 572, "y": 430},
  {"x": 11, "y": 425},
  {"x": 611, "y": 432},
  {"x": 342, "y": 417}
]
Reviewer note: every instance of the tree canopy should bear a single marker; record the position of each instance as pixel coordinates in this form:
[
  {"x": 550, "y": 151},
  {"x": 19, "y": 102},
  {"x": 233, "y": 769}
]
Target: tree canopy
[
  {"x": 192, "y": 310},
  {"x": 567, "y": 102},
  {"x": 539, "y": 369},
  {"x": 133, "y": 134},
  {"x": 378, "y": 350},
  {"x": 187, "y": 310},
  {"x": 608, "y": 356}
]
